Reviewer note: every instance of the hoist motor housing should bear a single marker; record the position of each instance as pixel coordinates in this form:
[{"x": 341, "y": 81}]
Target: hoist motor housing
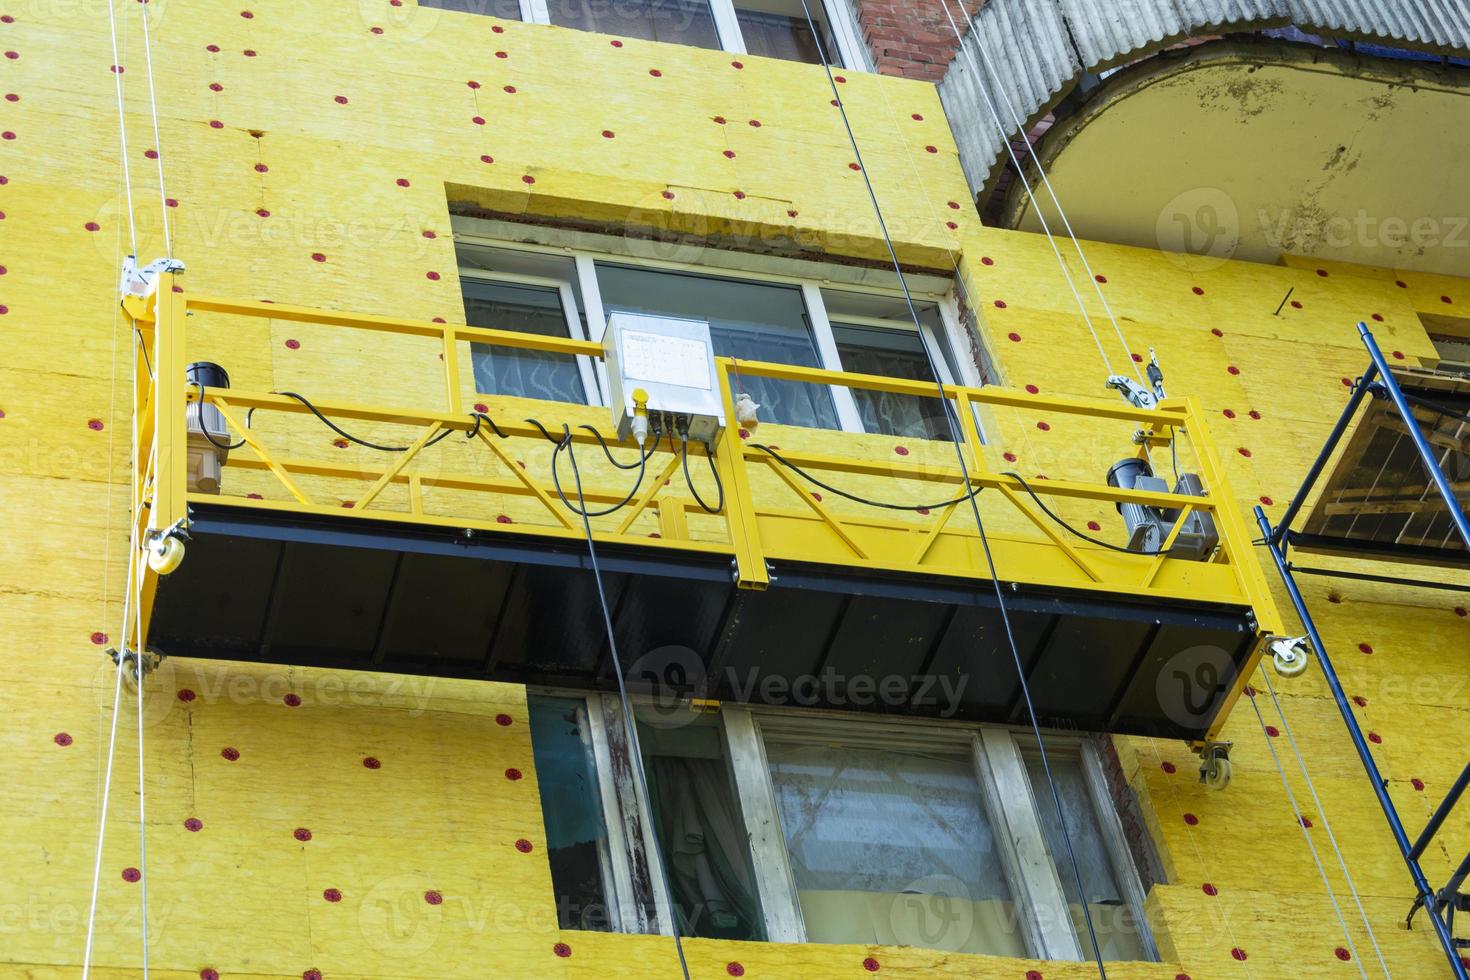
[
  {"x": 206, "y": 459},
  {"x": 673, "y": 360},
  {"x": 1149, "y": 527}
]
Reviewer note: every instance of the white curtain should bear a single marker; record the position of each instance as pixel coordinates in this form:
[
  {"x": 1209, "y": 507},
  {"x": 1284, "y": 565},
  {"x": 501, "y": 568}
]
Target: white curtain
[
  {"x": 892, "y": 846},
  {"x": 1113, "y": 918}
]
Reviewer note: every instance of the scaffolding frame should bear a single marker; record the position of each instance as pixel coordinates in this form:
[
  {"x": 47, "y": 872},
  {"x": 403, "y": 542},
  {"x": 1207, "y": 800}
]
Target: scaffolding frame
[{"x": 1439, "y": 905}]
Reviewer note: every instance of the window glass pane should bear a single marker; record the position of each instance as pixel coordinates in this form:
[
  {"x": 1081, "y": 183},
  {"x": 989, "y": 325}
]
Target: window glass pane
[
  {"x": 576, "y": 837},
  {"x": 504, "y": 9},
  {"x": 507, "y": 371},
  {"x": 1116, "y": 922},
  {"x": 678, "y": 21},
  {"x": 893, "y": 353},
  {"x": 779, "y": 29},
  {"x": 892, "y": 847},
  {"x": 753, "y": 321},
  {"x": 701, "y": 832}
]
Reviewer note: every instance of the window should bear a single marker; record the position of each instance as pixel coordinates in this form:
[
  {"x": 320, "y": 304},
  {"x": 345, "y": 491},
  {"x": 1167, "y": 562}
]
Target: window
[
  {"x": 768, "y": 28},
  {"x": 504, "y": 9},
  {"x": 577, "y": 845},
  {"x": 747, "y": 320},
  {"x": 1110, "y": 883},
  {"x": 830, "y": 828},
  {"x": 766, "y": 316},
  {"x": 701, "y": 833},
  {"x": 873, "y": 834},
  {"x": 1378, "y": 501},
  {"x": 680, "y": 21}
]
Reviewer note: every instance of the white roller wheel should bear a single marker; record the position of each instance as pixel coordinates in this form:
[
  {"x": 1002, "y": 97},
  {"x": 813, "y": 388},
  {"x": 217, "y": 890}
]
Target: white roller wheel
[
  {"x": 165, "y": 554},
  {"x": 1289, "y": 659},
  {"x": 1217, "y": 773}
]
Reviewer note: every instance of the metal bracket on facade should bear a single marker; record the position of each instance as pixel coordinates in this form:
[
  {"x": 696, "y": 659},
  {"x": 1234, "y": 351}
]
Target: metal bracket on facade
[{"x": 140, "y": 282}]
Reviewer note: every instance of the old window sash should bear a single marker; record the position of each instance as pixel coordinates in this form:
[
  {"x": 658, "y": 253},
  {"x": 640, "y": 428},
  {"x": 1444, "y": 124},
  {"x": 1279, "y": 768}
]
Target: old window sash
[{"x": 642, "y": 901}]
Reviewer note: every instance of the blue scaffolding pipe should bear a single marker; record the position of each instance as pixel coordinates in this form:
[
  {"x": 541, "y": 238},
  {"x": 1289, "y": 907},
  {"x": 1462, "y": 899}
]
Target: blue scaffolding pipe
[
  {"x": 1379, "y": 381},
  {"x": 1355, "y": 732}
]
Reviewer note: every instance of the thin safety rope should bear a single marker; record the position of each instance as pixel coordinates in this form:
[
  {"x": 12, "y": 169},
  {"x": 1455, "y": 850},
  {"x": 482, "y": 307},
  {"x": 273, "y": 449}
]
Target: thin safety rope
[
  {"x": 138, "y": 656},
  {"x": 122, "y": 125},
  {"x": 629, "y": 722},
  {"x": 1041, "y": 171},
  {"x": 956, "y": 435},
  {"x": 1316, "y": 858},
  {"x": 102, "y": 824},
  {"x": 168, "y": 248},
  {"x": 1026, "y": 183},
  {"x": 1322, "y": 812}
]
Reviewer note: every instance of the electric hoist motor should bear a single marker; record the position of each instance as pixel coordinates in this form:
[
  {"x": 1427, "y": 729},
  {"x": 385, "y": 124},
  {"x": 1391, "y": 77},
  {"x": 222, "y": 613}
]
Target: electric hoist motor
[
  {"x": 208, "y": 434},
  {"x": 1149, "y": 527},
  {"x": 668, "y": 363}
]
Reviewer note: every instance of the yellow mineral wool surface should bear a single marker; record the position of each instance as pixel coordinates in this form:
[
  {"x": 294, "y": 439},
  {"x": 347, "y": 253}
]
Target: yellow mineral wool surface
[{"x": 335, "y": 824}]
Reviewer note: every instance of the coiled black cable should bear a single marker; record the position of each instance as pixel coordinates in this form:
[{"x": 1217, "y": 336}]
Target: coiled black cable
[
  {"x": 565, "y": 445},
  {"x": 719, "y": 484},
  {"x": 652, "y": 448}
]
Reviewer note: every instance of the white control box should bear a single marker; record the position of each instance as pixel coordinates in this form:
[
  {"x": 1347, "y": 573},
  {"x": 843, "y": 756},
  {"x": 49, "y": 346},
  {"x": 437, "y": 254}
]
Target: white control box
[{"x": 673, "y": 360}]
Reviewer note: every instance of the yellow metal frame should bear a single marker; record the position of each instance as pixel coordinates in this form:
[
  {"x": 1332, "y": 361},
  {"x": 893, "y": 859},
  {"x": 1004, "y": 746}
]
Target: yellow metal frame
[{"x": 756, "y": 529}]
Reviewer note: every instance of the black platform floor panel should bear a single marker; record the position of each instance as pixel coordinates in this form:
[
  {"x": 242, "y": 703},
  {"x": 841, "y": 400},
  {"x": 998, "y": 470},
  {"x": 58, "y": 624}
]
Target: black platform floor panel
[
  {"x": 329, "y": 602},
  {"x": 1181, "y": 680},
  {"x": 442, "y": 611},
  {"x": 1082, "y": 670},
  {"x": 666, "y": 627},
  {"x": 878, "y": 643},
  {"x": 219, "y": 609},
  {"x": 768, "y": 639},
  {"x": 551, "y": 624},
  {"x": 973, "y": 667},
  {"x": 324, "y": 591}
]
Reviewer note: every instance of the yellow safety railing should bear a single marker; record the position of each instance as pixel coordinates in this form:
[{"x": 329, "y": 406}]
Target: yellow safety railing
[{"x": 769, "y": 514}]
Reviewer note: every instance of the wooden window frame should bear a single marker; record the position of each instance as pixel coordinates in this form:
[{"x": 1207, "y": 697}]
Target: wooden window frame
[{"x": 638, "y": 894}]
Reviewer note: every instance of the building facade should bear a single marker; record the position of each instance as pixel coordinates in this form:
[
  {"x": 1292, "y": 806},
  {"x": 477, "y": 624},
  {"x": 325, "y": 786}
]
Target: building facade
[{"x": 379, "y": 731}]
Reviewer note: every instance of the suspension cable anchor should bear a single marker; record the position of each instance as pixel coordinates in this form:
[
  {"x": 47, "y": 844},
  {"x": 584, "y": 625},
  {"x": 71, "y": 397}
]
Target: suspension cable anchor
[{"x": 142, "y": 282}]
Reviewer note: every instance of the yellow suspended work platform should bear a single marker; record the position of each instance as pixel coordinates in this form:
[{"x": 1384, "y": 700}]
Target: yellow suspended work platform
[{"x": 455, "y": 554}]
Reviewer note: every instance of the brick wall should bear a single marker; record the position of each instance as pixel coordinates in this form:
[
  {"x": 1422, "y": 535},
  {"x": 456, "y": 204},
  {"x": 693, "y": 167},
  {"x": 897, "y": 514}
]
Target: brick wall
[{"x": 912, "y": 38}]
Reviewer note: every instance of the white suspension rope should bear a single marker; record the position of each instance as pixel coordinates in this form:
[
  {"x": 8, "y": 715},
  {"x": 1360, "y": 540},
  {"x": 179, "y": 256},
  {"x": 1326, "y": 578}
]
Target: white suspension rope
[
  {"x": 102, "y": 822},
  {"x": 122, "y": 126},
  {"x": 168, "y": 248},
  {"x": 1316, "y": 859},
  {"x": 1030, "y": 191},
  {"x": 1326, "y": 823},
  {"x": 138, "y": 661}
]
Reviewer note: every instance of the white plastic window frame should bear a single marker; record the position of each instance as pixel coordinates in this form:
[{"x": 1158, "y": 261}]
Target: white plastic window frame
[
  {"x": 845, "y": 29},
  {"x": 848, "y": 417},
  {"x": 1000, "y": 771},
  {"x": 587, "y": 368}
]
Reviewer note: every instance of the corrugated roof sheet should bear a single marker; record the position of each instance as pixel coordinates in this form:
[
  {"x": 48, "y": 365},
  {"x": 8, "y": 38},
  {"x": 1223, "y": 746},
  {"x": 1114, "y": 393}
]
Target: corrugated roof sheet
[{"x": 1033, "y": 49}]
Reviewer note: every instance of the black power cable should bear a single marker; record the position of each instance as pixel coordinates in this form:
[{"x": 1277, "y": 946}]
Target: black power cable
[
  {"x": 565, "y": 446},
  {"x": 634, "y": 748},
  {"x": 1048, "y": 512},
  {"x": 352, "y": 438},
  {"x": 719, "y": 484},
  {"x": 854, "y": 497}
]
